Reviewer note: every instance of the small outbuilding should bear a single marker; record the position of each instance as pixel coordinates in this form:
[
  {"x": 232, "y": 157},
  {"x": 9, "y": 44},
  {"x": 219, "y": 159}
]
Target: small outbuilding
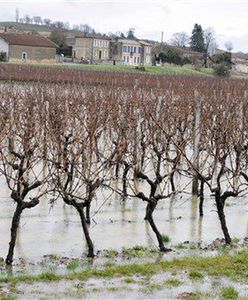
[{"x": 27, "y": 48}]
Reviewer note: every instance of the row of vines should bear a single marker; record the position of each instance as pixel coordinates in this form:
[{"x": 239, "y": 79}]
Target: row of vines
[{"x": 66, "y": 141}]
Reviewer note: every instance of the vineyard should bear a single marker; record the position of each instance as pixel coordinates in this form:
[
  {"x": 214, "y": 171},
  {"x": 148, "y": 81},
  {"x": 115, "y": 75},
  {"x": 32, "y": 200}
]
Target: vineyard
[{"x": 74, "y": 137}]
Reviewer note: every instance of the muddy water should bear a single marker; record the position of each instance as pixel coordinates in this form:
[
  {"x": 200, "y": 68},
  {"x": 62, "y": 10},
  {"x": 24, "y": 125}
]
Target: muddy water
[
  {"x": 57, "y": 230},
  {"x": 117, "y": 288}
]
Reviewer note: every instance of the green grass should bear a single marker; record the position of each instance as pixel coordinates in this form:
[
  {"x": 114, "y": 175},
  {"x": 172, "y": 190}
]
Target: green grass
[
  {"x": 113, "y": 289},
  {"x": 151, "y": 287},
  {"x": 229, "y": 293},
  {"x": 173, "y": 282},
  {"x": 48, "y": 276},
  {"x": 181, "y": 246},
  {"x": 130, "y": 280},
  {"x": 193, "y": 246},
  {"x": 166, "y": 70},
  {"x": 166, "y": 238},
  {"x": 137, "y": 251},
  {"x": 109, "y": 264},
  {"x": 234, "y": 267},
  {"x": 236, "y": 240},
  {"x": 195, "y": 275},
  {"x": 111, "y": 253},
  {"x": 73, "y": 265}
]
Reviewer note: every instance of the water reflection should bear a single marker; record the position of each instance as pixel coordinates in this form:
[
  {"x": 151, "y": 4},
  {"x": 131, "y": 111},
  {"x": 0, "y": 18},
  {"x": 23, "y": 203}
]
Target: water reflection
[{"x": 116, "y": 224}]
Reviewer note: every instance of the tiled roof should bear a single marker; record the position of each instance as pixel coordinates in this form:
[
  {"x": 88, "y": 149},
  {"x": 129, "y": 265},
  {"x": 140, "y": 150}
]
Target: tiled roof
[
  {"x": 144, "y": 43},
  {"x": 27, "y": 40},
  {"x": 92, "y": 35}
]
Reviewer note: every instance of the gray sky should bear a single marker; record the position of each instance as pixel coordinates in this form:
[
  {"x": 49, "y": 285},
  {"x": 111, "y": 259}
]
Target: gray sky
[{"x": 227, "y": 17}]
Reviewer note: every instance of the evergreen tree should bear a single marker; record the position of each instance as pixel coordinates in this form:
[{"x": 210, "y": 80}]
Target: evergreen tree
[
  {"x": 197, "y": 39},
  {"x": 130, "y": 33}
]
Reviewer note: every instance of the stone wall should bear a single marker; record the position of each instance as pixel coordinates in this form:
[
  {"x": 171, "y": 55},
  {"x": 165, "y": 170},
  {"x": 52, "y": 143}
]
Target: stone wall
[
  {"x": 147, "y": 57},
  {"x": 82, "y": 49},
  {"x": 34, "y": 54}
]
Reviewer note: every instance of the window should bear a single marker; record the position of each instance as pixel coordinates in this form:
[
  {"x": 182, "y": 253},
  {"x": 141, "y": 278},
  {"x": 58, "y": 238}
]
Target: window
[
  {"x": 134, "y": 59},
  {"x": 124, "y": 48},
  {"x": 139, "y": 49},
  {"x": 138, "y": 60},
  {"x": 94, "y": 43},
  {"x": 134, "y": 49},
  {"x": 124, "y": 58},
  {"x": 106, "y": 53},
  {"x": 127, "y": 58},
  {"x": 128, "y": 49},
  {"x": 24, "y": 56}
]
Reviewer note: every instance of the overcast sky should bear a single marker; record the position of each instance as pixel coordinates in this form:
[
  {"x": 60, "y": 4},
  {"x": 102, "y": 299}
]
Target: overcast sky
[{"x": 229, "y": 18}]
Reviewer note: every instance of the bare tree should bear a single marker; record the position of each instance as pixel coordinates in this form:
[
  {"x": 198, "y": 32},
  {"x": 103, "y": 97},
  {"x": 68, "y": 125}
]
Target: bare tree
[
  {"x": 229, "y": 46},
  {"x": 58, "y": 24},
  {"x": 27, "y": 19},
  {"x": 47, "y": 22},
  {"x": 86, "y": 28},
  {"x": 180, "y": 39},
  {"x": 210, "y": 44},
  {"x": 37, "y": 20}
]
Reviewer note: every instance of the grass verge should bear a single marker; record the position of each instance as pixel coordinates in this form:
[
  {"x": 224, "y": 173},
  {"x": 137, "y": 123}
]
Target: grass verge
[
  {"x": 232, "y": 266},
  {"x": 166, "y": 70}
]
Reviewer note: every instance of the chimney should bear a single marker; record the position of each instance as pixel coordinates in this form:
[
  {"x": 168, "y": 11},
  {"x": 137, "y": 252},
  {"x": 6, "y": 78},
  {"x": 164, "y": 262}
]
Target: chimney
[{"x": 162, "y": 41}]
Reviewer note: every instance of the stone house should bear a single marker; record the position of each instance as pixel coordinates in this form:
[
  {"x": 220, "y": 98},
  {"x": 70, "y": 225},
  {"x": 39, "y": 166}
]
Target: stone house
[
  {"x": 131, "y": 52},
  {"x": 91, "y": 48},
  {"x": 27, "y": 48},
  {"x": 240, "y": 65},
  {"x": 146, "y": 53}
]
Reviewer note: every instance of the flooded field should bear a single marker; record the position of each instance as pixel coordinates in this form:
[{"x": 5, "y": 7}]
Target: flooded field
[
  {"x": 51, "y": 242},
  {"x": 104, "y": 186},
  {"x": 159, "y": 286},
  {"x": 56, "y": 229}
]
